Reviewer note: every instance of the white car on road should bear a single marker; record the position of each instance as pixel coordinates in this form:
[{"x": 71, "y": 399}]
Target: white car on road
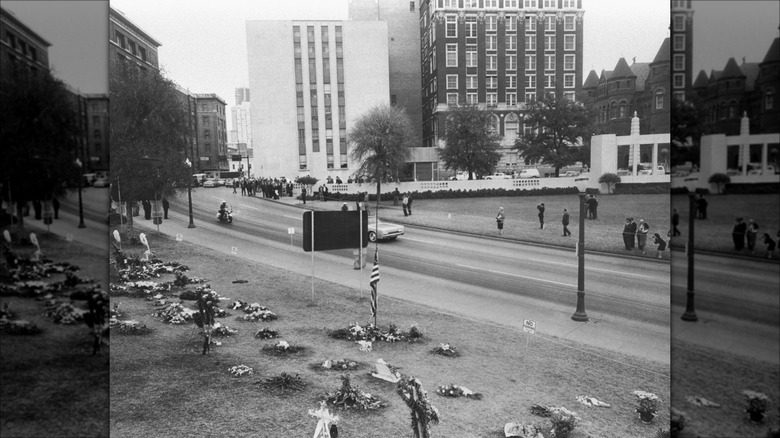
[
  {"x": 498, "y": 175},
  {"x": 384, "y": 231}
]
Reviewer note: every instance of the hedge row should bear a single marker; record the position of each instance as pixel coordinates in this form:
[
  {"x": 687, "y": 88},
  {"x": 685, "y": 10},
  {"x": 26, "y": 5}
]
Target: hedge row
[
  {"x": 736, "y": 189},
  {"x": 641, "y": 189},
  {"x": 453, "y": 194}
]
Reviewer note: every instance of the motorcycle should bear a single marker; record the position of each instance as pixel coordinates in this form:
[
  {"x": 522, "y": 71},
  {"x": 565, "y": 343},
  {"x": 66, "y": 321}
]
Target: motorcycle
[{"x": 225, "y": 215}]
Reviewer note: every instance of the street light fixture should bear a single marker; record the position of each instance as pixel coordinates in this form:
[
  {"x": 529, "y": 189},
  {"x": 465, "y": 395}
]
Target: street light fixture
[
  {"x": 690, "y": 311},
  {"x": 189, "y": 191},
  {"x": 579, "y": 314},
  {"x": 81, "y": 205}
]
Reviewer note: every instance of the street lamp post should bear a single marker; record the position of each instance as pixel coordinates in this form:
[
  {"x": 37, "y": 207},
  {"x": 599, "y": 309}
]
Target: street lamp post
[
  {"x": 690, "y": 311},
  {"x": 579, "y": 314},
  {"x": 81, "y": 205},
  {"x": 189, "y": 191}
]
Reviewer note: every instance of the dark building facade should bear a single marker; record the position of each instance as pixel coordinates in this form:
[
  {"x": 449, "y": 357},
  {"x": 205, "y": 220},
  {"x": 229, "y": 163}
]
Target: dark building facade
[
  {"x": 499, "y": 55},
  {"x": 211, "y": 133},
  {"x": 22, "y": 50},
  {"x": 128, "y": 42},
  {"x": 681, "y": 30},
  {"x": 641, "y": 88}
]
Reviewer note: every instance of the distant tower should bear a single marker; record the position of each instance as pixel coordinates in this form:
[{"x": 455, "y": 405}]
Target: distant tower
[
  {"x": 242, "y": 95},
  {"x": 682, "y": 47}
]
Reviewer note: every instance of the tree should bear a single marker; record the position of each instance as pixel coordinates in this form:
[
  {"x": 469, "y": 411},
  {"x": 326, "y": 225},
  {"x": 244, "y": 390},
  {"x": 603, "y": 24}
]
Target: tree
[
  {"x": 720, "y": 180},
  {"x": 471, "y": 142},
  {"x": 610, "y": 179},
  {"x": 559, "y": 126},
  {"x": 40, "y": 133},
  {"x": 686, "y": 130},
  {"x": 149, "y": 133},
  {"x": 382, "y": 138}
]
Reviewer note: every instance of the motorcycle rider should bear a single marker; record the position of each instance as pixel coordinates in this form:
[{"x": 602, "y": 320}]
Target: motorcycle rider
[{"x": 223, "y": 211}]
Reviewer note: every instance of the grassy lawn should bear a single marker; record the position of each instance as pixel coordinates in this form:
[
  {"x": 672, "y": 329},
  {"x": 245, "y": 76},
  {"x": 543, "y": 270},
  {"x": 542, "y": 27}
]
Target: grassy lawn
[
  {"x": 714, "y": 233},
  {"x": 162, "y": 386},
  {"x": 477, "y": 215},
  {"x": 721, "y": 378},
  {"x": 50, "y": 384}
]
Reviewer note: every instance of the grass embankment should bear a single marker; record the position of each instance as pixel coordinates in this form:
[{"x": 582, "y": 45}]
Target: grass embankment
[
  {"x": 50, "y": 384},
  {"x": 162, "y": 386},
  {"x": 714, "y": 233}
]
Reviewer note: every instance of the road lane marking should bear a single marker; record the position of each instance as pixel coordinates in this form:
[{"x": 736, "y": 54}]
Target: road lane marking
[
  {"x": 413, "y": 239},
  {"x": 292, "y": 217},
  {"x": 492, "y": 271}
]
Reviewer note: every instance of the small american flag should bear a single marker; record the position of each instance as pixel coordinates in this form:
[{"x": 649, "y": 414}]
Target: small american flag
[{"x": 373, "y": 281}]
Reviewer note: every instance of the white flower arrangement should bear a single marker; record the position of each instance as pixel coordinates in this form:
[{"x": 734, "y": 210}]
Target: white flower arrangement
[
  {"x": 645, "y": 395},
  {"x": 284, "y": 345},
  {"x": 240, "y": 370},
  {"x": 750, "y": 395}
]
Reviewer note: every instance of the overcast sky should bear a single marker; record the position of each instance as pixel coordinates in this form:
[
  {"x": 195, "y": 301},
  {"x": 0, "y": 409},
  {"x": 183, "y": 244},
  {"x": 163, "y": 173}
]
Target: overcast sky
[
  {"x": 77, "y": 32},
  {"x": 204, "y": 43},
  {"x": 732, "y": 29}
]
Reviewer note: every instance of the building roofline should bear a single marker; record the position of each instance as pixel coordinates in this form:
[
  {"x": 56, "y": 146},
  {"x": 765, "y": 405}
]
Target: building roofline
[
  {"x": 9, "y": 15},
  {"x": 120, "y": 17}
]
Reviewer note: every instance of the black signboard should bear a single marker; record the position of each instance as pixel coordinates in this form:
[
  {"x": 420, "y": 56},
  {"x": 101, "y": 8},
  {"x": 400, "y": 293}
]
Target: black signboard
[{"x": 334, "y": 230}]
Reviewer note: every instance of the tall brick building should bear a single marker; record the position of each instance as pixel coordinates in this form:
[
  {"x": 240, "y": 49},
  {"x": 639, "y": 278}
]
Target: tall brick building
[{"x": 500, "y": 55}]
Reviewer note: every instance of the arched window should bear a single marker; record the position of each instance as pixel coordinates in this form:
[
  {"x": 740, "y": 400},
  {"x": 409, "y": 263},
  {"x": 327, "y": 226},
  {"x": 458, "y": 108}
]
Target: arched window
[
  {"x": 493, "y": 121},
  {"x": 510, "y": 127},
  {"x": 613, "y": 110},
  {"x": 659, "y": 99},
  {"x": 622, "y": 109}
]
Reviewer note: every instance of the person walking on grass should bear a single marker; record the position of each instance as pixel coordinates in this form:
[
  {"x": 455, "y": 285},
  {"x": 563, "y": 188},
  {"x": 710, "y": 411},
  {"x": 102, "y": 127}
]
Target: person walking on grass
[
  {"x": 675, "y": 222},
  {"x": 641, "y": 235},
  {"x": 565, "y": 222},
  {"x": 540, "y": 208},
  {"x": 500, "y": 221}
]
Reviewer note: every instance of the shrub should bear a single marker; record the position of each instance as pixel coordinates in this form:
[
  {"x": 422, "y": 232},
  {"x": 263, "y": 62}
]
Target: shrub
[
  {"x": 720, "y": 180},
  {"x": 610, "y": 179}
]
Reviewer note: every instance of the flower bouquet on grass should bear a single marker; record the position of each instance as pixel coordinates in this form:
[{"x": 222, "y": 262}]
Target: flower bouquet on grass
[
  {"x": 757, "y": 405},
  {"x": 222, "y": 330},
  {"x": 183, "y": 280},
  {"x": 563, "y": 421},
  {"x": 283, "y": 348},
  {"x": 128, "y": 327},
  {"x": 175, "y": 313},
  {"x": 648, "y": 405},
  {"x": 369, "y": 332},
  {"x": 458, "y": 391},
  {"x": 254, "y": 312},
  {"x": 18, "y": 327},
  {"x": 283, "y": 383},
  {"x": 240, "y": 370},
  {"x": 337, "y": 365},
  {"x": 522, "y": 430},
  {"x": 446, "y": 350},
  {"x": 351, "y": 397},
  {"x": 266, "y": 333},
  {"x": 64, "y": 313}
]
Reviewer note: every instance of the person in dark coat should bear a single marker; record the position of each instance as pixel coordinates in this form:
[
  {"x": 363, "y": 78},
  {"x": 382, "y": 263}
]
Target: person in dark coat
[
  {"x": 408, "y": 205},
  {"x": 500, "y": 217},
  {"x": 660, "y": 244},
  {"x": 770, "y": 245},
  {"x": 303, "y": 194},
  {"x": 701, "y": 207},
  {"x": 565, "y": 222},
  {"x": 147, "y": 209},
  {"x": 166, "y": 205},
  {"x": 540, "y": 207},
  {"x": 738, "y": 234},
  {"x": 629, "y": 230},
  {"x": 675, "y": 222},
  {"x": 751, "y": 235},
  {"x": 55, "y": 204},
  {"x": 641, "y": 235},
  {"x": 405, "y": 204}
]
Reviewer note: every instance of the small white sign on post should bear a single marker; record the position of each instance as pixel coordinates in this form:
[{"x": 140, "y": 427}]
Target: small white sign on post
[
  {"x": 179, "y": 237},
  {"x": 529, "y": 326},
  {"x": 291, "y": 231},
  {"x": 233, "y": 250}
]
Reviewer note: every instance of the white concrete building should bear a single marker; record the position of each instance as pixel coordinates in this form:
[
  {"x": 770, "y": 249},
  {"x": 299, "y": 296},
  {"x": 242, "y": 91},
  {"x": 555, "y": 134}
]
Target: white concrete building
[{"x": 310, "y": 82}]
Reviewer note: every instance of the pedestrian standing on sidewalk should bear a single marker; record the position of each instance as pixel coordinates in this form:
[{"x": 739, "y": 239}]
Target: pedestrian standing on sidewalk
[
  {"x": 565, "y": 222},
  {"x": 660, "y": 245},
  {"x": 396, "y": 195},
  {"x": 409, "y": 204},
  {"x": 594, "y": 207},
  {"x": 738, "y": 234},
  {"x": 303, "y": 194},
  {"x": 701, "y": 207},
  {"x": 147, "y": 209},
  {"x": 675, "y": 222},
  {"x": 628, "y": 233},
  {"x": 500, "y": 221},
  {"x": 641, "y": 235},
  {"x": 344, "y": 207},
  {"x": 751, "y": 234},
  {"x": 540, "y": 207},
  {"x": 405, "y": 204},
  {"x": 166, "y": 205}
]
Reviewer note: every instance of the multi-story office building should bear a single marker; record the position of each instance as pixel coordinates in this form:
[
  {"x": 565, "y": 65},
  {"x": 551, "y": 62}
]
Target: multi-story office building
[
  {"x": 403, "y": 42},
  {"x": 211, "y": 133},
  {"x": 242, "y": 95},
  {"x": 682, "y": 47},
  {"x": 22, "y": 50},
  {"x": 339, "y": 71},
  {"x": 641, "y": 88},
  {"x": 240, "y": 114},
  {"x": 128, "y": 42},
  {"x": 499, "y": 55}
]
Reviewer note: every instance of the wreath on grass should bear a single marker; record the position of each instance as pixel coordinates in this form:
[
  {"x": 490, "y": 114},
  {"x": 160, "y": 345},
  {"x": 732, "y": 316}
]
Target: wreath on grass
[
  {"x": 129, "y": 327},
  {"x": 284, "y": 383},
  {"x": 337, "y": 365},
  {"x": 350, "y": 396},
  {"x": 253, "y": 312},
  {"x": 266, "y": 333},
  {"x": 456, "y": 391},
  {"x": 283, "y": 348},
  {"x": 446, "y": 350},
  {"x": 370, "y": 332}
]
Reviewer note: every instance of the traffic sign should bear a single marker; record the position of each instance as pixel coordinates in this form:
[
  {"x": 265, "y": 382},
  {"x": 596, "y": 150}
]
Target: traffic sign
[{"x": 529, "y": 326}]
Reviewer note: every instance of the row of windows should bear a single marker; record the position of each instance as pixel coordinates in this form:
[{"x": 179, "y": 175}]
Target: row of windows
[
  {"x": 27, "y": 50},
  {"x": 491, "y": 59},
  {"x": 130, "y": 45},
  {"x": 491, "y": 24},
  {"x": 491, "y": 82},
  {"x": 491, "y": 99},
  {"x": 507, "y": 4},
  {"x": 618, "y": 110}
]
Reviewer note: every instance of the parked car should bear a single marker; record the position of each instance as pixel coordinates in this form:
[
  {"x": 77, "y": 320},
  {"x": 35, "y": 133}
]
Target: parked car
[
  {"x": 384, "y": 231},
  {"x": 460, "y": 176},
  {"x": 570, "y": 173},
  {"x": 101, "y": 182},
  {"x": 528, "y": 173},
  {"x": 498, "y": 175},
  {"x": 210, "y": 182}
]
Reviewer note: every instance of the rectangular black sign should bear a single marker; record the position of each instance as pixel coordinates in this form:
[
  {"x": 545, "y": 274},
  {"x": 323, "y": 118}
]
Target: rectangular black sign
[{"x": 335, "y": 230}]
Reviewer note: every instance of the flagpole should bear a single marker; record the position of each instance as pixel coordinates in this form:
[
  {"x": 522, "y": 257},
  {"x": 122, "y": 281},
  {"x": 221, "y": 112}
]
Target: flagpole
[{"x": 312, "y": 255}]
